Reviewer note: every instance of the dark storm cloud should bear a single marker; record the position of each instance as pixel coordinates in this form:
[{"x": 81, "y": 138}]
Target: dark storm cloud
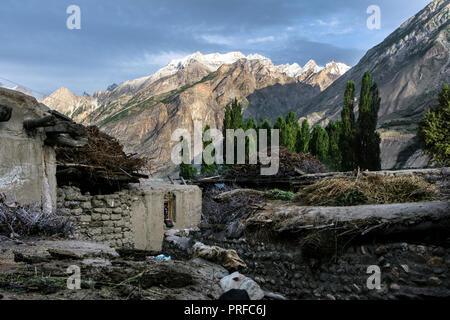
[{"x": 122, "y": 40}]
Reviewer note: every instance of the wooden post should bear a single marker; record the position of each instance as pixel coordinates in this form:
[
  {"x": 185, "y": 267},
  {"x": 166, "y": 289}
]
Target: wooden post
[{"x": 31, "y": 124}]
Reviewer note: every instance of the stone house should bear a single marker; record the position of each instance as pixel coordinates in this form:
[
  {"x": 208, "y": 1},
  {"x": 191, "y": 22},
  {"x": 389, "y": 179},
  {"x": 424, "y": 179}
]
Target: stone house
[{"x": 134, "y": 216}]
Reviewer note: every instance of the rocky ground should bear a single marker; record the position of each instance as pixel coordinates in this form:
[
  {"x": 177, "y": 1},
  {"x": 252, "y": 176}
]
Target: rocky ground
[{"x": 36, "y": 269}]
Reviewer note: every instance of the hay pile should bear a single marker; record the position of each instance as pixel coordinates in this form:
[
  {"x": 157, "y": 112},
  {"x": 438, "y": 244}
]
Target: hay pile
[
  {"x": 372, "y": 189},
  {"x": 102, "y": 151},
  {"x": 291, "y": 164}
]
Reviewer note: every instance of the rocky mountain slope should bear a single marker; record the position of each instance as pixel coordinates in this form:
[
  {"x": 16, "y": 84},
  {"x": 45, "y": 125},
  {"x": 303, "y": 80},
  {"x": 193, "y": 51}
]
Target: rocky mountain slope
[
  {"x": 143, "y": 113},
  {"x": 409, "y": 66}
]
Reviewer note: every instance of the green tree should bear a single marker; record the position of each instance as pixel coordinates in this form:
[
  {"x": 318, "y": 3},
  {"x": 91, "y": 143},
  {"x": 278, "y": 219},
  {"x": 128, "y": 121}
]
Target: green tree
[
  {"x": 303, "y": 137},
  {"x": 367, "y": 138},
  {"x": 236, "y": 115},
  {"x": 347, "y": 143},
  {"x": 291, "y": 131},
  {"x": 280, "y": 124},
  {"x": 187, "y": 171},
  {"x": 267, "y": 126},
  {"x": 434, "y": 129},
  {"x": 207, "y": 169},
  {"x": 334, "y": 152},
  {"x": 232, "y": 120},
  {"x": 251, "y": 124},
  {"x": 319, "y": 143}
]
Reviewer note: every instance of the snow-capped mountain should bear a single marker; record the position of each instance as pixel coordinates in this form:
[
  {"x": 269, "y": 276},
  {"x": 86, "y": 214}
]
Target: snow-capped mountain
[
  {"x": 212, "y": 62},
  {"x": 141, "y": 113}
]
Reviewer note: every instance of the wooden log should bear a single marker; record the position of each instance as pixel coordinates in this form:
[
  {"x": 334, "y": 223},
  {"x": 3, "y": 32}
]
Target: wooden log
[
  {"x": 116, "y": 178},
  {"x": 31, "y": 124},
  {"x": 68, "y": 173},
  {"x": 140, "y": 175},
  {"x": 5, "y": 113},
  {"x": 71, "y": 128},
  {"x": 65, "y": 140},
  {"x": 60, "y": 116},
  {"x": 384, "y": 219}
]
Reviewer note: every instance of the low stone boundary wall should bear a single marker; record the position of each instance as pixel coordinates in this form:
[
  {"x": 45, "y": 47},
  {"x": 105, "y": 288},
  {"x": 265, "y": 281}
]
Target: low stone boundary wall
[{"x": 408, "y": 271}]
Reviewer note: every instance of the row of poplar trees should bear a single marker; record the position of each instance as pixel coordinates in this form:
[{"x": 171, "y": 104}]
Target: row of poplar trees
[{"x": 344, "y": 145}]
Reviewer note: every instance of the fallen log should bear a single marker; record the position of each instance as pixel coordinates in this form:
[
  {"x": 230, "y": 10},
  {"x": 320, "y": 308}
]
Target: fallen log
[
  {"x": 363, "y": 220},
  {"x": 5, "y": 113},
  {"x": 31, "y": 124}
]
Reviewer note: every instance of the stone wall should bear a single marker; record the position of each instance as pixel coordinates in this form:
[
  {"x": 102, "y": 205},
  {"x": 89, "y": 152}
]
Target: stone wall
[
  {"x": 148, "y": 212},
  {"x": 27, "y": 166},
  {"x": 408, "y": 271},
  {"x": 100, "y": 218},
  {"x": 132, "y": 217}
]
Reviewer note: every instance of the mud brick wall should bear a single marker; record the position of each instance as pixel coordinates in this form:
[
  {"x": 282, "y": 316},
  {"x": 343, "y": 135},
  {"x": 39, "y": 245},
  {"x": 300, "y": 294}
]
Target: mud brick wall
[
  {"x": 100, "y": 218},
  {"x": 408, "y": 271},
  {"x": 27, "y": 165}
]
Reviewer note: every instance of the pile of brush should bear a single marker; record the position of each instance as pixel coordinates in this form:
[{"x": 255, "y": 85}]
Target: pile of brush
[
  {"x": 18, "y": 221},
  {"x": 290, "y": 164},
  {"x": 102, "y": 161},
  {"x": 371, "y": 189},
  {"x": 101, "y": 151}
]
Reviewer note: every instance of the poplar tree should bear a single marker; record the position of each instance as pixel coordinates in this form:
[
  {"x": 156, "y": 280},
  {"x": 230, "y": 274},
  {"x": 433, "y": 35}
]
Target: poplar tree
[
  {"x": 367, "y": 138},
  {"x": 207, "y": 168},
  {"x": 319, "y": 143},
  {"x": 187, "y": 171},
  {"x": 334, "y": 152},
  {"x": 291, "y": 131},
  {"x": 280, "y": 124},
  {"x": 232, "y": 120},
  {"x": 347, "y": 143},
  {"x": 304, "y": 137}
]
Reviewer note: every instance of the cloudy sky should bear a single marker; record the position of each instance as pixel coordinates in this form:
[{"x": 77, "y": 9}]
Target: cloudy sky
[{"x": 121, "y": 40}]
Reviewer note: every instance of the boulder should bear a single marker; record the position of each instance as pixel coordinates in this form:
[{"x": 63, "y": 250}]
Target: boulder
[{"x": 239, "y": 281}]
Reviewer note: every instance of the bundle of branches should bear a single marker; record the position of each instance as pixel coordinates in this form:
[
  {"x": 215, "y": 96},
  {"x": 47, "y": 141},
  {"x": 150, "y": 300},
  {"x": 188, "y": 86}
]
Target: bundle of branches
[
  {"x": 290, "y": 164},
  {"x": 221, "y": 214},
  {"x": 29, "y": 220},
  {"x": 371, "y": 189},
  {"x": 102, "y": 151}
]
